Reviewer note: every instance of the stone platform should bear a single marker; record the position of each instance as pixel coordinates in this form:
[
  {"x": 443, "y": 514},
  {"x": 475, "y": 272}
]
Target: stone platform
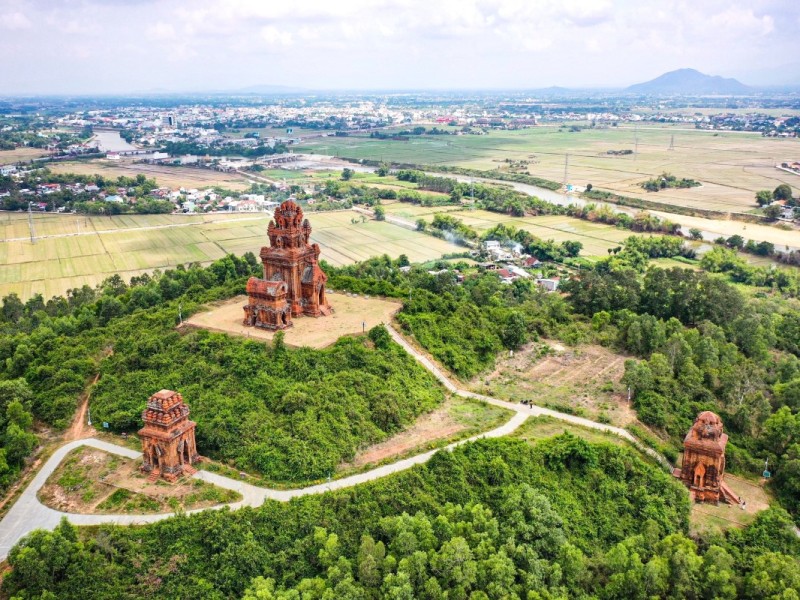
[{"x": 349, "y": 314}]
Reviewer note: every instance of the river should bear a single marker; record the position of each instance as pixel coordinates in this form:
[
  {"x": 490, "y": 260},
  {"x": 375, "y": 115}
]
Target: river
[{"x": 109, "y": 140}]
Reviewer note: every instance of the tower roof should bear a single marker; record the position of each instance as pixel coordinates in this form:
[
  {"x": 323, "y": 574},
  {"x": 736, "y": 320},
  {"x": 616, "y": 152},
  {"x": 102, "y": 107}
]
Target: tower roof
[{"x": 707, "y": 433}]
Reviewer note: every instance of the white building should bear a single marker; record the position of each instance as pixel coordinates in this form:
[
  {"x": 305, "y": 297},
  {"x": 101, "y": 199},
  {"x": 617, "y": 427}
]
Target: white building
[{"x": 551, "y": 285}]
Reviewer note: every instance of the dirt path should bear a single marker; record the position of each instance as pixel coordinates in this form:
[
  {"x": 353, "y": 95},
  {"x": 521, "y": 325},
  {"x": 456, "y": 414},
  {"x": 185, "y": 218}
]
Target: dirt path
[{"x": 79, "y": 428}]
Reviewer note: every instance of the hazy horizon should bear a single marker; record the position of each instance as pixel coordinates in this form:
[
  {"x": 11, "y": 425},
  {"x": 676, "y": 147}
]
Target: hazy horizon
[{"x": 78, "y": 47}]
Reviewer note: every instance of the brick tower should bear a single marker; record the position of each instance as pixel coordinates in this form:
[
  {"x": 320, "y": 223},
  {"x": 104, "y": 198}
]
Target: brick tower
[
  {"x": 704, "y": 460},
  {"x": 168, "y": 445},
  {"x": 291, "y": 260}
]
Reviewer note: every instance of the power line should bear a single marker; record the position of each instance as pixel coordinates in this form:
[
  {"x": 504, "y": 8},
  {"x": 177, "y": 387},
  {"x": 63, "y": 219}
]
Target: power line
[{"x": 30, "y": 224}]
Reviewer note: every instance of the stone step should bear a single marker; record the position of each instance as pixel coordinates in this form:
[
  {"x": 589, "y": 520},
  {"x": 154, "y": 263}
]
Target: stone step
[
  {"x": 728, "y": 494},
  {"x": 154, "y": 475},
  {"x": 189, "y": 470}
]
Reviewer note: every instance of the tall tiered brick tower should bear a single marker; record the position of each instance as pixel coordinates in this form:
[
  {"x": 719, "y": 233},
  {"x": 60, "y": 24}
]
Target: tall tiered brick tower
[
  {"x": 289, "y": 259},
  {"x": 168, "y": 445},
  {"x": 704, "y": 460}
]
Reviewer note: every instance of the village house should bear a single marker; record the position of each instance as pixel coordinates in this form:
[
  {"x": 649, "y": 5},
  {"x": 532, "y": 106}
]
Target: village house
[
  {"x": 532, "y": 263},
  {"x": 506, "y": 276},
  {"x": 48, "y": 188},
  {"x": 551, "y": 285}
]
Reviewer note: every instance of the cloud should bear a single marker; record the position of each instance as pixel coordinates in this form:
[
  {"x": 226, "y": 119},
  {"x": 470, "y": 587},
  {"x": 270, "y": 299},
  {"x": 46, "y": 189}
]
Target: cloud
[
  {"x": 275, "y": 37},
  {"x": 737, "y": 20},
  {"x": 161, "y": 31},
  {"x": 212, "y": 44},
  {"x": 14, "y": 20}
]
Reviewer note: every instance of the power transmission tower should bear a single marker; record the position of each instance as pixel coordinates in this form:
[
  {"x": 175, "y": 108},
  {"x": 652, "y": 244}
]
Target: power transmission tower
[
  {"x": 566, "y": 169},
  {"x": 30, "y": 224},
  {"x": 635, "y": 141},
  {"x": 671, "y": 143}
]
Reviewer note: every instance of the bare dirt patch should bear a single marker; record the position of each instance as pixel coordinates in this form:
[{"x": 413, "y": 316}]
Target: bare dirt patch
[
  {"x": 20, "y": 154},
  {"x": 352, "y": 315},
  {"x": 582, "y": 380},
  {"x": 707, "y": 518},
  {"x": 457, "y": 418},
  {"x": 90, "y": 481}
]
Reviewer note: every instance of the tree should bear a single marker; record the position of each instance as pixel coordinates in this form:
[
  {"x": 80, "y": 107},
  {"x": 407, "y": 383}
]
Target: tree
[
  {"x": 695, "y": 233},
  {"x": 515, "y": 332},
  {"x": 735, "y": 241},
  {"x": 347, "y": 174},
  {"x": 383, "y": 170},
  {"x": 782, "y": 192},
  {"x": 781, "y": 429},
  {"x": 18, "y": 444},
  {"x": 13, "y": 308},
  {"x": 572, "y": 247},
  {"x": 773, "y": 212},
  {"x": 421, "y": 225},
  {"x": 380, "y": 213},
  {"x": 763, "y": 197}
]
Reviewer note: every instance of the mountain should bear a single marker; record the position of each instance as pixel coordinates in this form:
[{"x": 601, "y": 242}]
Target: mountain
[{"x": 688, "y": 82}]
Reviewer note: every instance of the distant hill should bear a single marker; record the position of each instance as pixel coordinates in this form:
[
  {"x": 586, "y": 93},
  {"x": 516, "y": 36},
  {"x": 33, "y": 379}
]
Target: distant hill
[{"x": 688, "y": 82}]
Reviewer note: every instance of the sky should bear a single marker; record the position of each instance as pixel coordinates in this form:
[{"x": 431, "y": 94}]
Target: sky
[{"x": 127, "y": 46}]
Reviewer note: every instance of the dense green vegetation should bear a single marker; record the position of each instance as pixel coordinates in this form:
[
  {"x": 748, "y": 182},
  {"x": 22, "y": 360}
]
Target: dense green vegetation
[
  {"x": 291, "y": 415},
  {"x": 706, "y": 346},
  {"x": 463, "y": 326},
  {"x": 494, "y": 519}
]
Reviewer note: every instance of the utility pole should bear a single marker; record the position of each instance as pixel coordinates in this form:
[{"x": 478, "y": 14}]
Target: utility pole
[
  {"x": 566, "y": 169},
  {"x": 30, "y": 223},
  {"x": 472, "y": 191},
  {"x": 671, "y": 143},
  {"x": 635, "y": 141}
]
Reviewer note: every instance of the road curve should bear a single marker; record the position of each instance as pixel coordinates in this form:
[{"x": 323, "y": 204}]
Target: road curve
[{"x": 28, "y": 513}]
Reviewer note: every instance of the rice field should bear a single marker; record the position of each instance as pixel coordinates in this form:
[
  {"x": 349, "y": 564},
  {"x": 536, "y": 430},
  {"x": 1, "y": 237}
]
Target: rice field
[
  {"x": 20, "y": 155},
  {"x": 731, "y": 165},
  {"x": 172, "y": 177},
  {"x": 596, "y": 238},
  {"x": 86, "y": 250}
]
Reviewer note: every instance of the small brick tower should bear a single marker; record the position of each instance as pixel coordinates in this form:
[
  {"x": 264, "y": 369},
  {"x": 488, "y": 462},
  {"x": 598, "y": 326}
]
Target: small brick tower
[
  {"x": 293, "y": 282},
  {"x": 704, "y": 460},
  {"x": 168, "y": 445}
]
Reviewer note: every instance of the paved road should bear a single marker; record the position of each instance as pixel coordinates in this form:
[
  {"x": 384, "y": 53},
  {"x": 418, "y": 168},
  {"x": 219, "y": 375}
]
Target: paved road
[
  {"x": 28, "y": 513},
  {"x": 521, "y": 408}
]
